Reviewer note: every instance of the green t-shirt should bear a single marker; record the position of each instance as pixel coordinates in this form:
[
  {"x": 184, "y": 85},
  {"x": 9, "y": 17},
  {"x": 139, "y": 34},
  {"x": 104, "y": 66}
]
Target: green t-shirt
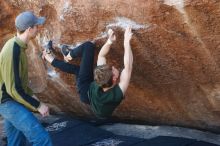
[{"x": 104, "y": 103}]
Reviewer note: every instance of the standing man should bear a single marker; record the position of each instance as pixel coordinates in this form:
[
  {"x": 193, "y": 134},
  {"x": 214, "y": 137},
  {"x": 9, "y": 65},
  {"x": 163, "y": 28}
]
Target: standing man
[
  {"x": 101, "y": 90},
  {"x": 16, "y": 98}
]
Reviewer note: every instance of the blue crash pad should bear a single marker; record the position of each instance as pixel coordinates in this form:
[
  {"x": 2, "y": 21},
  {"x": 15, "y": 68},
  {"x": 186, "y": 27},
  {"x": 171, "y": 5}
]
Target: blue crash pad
[{"x": 72, "y": 132}]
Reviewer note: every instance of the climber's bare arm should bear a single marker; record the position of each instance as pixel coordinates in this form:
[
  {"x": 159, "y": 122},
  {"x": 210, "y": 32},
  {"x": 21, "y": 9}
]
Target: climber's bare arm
[
  {"x": 128, "y": 61},
  {"x": 105, "y": 49}
]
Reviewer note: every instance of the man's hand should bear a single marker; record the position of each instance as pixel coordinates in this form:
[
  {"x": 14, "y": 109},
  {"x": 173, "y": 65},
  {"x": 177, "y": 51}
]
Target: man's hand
[
  {"x": 111, "y": 36},
  {"x": 43, "y": 110},
  {"x": 128, "y": 35}
]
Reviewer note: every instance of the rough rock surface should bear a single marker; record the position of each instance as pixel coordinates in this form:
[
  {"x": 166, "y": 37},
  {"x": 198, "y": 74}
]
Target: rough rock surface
[{"x": 176, "y": 76}]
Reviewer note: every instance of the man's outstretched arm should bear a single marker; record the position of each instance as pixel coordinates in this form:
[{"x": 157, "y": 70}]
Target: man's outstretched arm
[
  {"x": 105, "y": 48},
  {"x": 128, "y": 61}
]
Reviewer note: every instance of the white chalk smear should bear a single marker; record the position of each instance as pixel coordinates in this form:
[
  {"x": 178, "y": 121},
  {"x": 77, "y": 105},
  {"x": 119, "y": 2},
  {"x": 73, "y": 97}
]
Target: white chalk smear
[
  {"x": 179, "y": 4},
  {"x": 66, "y": 9},
  {"x": 101, "y": 36},
  {"x": 52, "y": 73},
  {"x": 123, "y": 22},
  {"x": 62, "y": 18}
]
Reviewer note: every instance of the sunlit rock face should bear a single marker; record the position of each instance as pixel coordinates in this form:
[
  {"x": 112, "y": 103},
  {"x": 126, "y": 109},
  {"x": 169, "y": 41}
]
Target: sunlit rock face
[{"x": 176, "y": 49}]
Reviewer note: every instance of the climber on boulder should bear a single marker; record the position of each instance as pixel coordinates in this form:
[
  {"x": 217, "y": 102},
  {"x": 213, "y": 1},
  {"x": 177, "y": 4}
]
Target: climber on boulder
[
  {"x": 106, "y": 92},
  {"x": 99, "y": 87}
]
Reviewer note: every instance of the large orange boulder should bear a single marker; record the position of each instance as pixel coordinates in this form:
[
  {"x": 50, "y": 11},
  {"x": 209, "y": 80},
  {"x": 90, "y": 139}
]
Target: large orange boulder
[{"x": 176, "y": 74}]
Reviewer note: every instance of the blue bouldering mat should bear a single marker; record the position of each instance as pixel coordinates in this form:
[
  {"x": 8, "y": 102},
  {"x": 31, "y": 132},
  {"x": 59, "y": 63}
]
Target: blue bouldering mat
[{"x": 72, "y": 132}]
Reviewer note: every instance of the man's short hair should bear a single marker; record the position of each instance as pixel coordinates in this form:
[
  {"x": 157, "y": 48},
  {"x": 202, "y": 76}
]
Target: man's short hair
[
  {"x": 103, "y": 76},
  {"x": 27, "y": 19}
]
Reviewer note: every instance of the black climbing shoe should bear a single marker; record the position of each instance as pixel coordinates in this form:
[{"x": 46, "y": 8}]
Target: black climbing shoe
[
  {"x": 49, "y": 47},
  {"x": 64, "y": 49}
]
